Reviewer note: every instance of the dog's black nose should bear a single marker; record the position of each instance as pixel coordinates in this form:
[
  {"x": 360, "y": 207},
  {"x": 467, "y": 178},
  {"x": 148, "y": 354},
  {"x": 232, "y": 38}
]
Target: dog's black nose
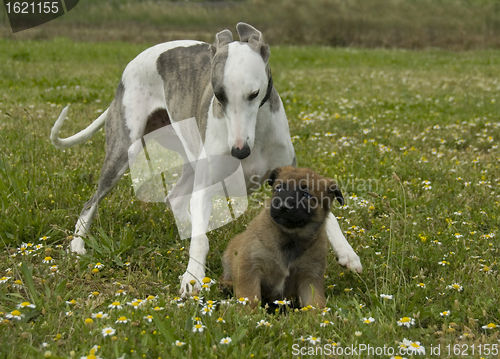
[{"x": 240, "y": 153}]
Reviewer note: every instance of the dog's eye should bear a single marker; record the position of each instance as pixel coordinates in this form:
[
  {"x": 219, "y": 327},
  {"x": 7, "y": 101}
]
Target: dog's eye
[
  {"x": 253, "y": 95},
  {"x": 306, "y": 194}
]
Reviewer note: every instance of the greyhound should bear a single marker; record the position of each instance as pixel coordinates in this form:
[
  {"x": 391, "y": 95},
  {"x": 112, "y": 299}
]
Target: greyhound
[{"x": 228, "y": 88}]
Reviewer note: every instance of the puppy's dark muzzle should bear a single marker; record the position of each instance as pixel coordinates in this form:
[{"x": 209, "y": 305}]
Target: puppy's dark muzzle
[
  {"x": 240, "y": 153},
  {"x": 287, "y": 211}
]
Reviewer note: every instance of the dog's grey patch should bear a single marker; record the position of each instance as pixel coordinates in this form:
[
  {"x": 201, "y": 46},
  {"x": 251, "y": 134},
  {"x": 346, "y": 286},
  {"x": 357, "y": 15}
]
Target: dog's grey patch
[
  {"x": 117, "y": 143},
  {"x": 157, "y": 119},
  {"x": 186, "y": 75},
  {"x": 274, "y": 101},
  {"x": 218, "y": 69},
  {"x": 218, "y": 112}
]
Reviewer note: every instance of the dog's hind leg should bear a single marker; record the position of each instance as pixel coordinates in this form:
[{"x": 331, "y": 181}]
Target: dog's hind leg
[
  {"x": 115, "y": 165},
  {"x": 345, "y": 254}
]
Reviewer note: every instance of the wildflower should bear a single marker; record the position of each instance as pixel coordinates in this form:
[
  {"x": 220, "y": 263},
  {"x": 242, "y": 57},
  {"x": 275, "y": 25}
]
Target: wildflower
[
  {"x": 415, "y": 348},
  {"x": 325, "y": 310},
  {"x": 282, "y": 302},
  {"x": 207, "y": 283},
  {"x": 71, "y": 302},
  {"x": 149, "y": 318},
  {"x": 455, "y": 286},
  {"x": 120, "y": 292},
  {"x": 325, "y": 323},
  {"x": 489, "y": 326},
  {"x": 368, "y": 320},
  {"x": 99, "y": 265},
  {"x": 386, "y": 296},
  {"x": 226, "y": 341},
  {"x": 198, "y": 327},
  {"x": 486, "y": 269},
  {"x": 152, "y": 297},
  {"x": 406, "y": 321},
  {"x": 157, "y": 309},
  {"x": 358, "y": 333},
  {"x": 54, "y": 269},
  {"x": 243, "y": 301},
  {"x": 179, "y": 343},
  {"x": 94, "y": 294},
  {"x": 445, "y": 313},
  {"x": 135, "y": 303},
  {"x": 314, "y": 340},
  {"x": 421, "y": 285},
  {"x": 263, "y": 323},
  {"x": 122, "y": 320},
  {"x": 44, "y": 238},
  {"x": 69, "y": 313},
  {"x": 197, "y": 299},
  {"x": 4, "y": 280},
  {"x": 443, "y": 263},
  {"x": 89, "y": 321},
  {"x": 99, "y": 315},
  {"x": 206, "y": 310},
  {"x": 115, "y": 305},
  {"x": 16, "y": 315},
  {"x": 220, "y": 320},
  {"x": 305, "y": 309},
  {"x": 26, "y": 305},
  {"x": 92, "y": 354},
  {"x": 48, "y": 260},
  {"x": 108, "y": 331}
]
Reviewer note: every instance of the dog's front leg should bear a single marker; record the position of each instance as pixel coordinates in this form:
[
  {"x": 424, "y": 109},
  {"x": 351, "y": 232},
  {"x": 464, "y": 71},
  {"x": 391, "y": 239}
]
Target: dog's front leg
[
  {"x": 345, "y": 254},
  {"x": 201, "y": 208}
]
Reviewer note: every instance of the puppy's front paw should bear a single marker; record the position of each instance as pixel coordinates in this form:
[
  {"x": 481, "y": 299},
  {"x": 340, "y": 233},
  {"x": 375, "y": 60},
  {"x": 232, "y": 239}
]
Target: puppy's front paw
[
  {"x": 349, "y": 259},
  {"x": 191, "y": 283}
]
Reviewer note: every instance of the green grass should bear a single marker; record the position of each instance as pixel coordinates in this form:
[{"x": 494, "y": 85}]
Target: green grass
[
  {"x": 356, "y": 115},
  {"x": 450, "y": 24}
]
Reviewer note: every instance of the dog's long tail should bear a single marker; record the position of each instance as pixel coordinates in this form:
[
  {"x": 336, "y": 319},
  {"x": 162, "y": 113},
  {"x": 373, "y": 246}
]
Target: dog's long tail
[{"x": 80, "y": 137}]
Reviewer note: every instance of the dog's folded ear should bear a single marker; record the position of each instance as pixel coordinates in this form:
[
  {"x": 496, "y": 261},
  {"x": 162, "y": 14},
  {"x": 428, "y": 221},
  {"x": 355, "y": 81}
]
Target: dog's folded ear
[
  {"x": 254, "y": 38},
  {"x": 274, "y": 174},
  {"x": 221, "y": 39},
  {"x": 335, "y": 192}
]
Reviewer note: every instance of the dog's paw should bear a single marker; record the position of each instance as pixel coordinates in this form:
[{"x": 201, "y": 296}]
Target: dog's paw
[
  {"x": 78, "y": 245},
  {"x": 350, "y": 259},
  {"x": 191, "y": 283}
]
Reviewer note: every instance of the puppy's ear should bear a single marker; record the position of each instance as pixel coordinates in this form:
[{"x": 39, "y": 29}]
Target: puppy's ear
[
  {"x": 335, "y": 192},
  {"x": 272, "y": 177}
]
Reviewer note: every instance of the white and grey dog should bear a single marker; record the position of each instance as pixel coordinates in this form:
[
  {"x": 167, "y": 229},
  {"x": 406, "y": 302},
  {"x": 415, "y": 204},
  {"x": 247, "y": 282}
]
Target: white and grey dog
[{"x": 227, "y": 87}]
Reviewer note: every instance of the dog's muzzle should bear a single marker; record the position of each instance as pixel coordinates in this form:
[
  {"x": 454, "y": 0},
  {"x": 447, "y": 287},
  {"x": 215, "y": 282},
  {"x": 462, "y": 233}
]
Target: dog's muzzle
[{"x": 240, "y": 153}]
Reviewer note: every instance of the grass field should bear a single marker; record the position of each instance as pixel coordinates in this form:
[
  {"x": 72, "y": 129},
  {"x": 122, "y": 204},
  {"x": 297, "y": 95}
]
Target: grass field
[
  {"x": 450, "y": 24},
  {"x": 412, "y": 137}
]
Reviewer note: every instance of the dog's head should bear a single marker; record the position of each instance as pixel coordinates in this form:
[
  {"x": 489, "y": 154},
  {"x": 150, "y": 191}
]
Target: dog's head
[
  {"x": 301, "y": 197},
  {"x": 241, "y": 80}
]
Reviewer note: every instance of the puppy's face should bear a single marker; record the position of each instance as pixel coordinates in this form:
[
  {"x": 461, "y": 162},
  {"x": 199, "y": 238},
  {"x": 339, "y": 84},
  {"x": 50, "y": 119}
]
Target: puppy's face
[{"x": 301, "y": 197}]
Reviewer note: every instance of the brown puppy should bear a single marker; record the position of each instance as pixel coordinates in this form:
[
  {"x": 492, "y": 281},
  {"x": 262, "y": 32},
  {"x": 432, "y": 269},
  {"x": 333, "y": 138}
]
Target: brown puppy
[{"x": 282, "y": 253}]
